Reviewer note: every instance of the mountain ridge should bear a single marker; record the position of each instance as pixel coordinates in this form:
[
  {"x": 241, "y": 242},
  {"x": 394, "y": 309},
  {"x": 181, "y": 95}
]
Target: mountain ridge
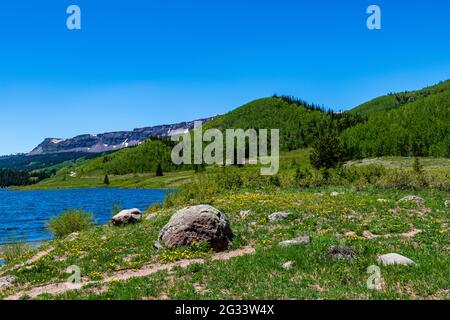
[{"x": 111, "y": 141}]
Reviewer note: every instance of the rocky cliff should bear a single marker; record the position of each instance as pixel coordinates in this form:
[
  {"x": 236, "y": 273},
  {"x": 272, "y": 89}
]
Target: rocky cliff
[{"x": 110, "y": 141}]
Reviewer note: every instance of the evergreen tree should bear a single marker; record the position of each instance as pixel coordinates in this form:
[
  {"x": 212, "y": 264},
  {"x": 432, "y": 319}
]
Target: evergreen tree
[
  {"x": 327, "y": 152},
  {"x": 159, "y": 171},
  {"x": 106, "y": 180}
]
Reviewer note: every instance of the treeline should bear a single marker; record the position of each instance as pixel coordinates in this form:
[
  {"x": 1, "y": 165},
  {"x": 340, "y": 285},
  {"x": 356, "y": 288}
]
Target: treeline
[{"x": 11, "y": 177}]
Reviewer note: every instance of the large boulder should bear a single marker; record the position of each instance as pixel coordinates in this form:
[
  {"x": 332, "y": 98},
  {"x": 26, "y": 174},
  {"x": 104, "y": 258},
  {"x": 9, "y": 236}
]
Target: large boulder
[
  {"x": 194, "y": 224},
  {"x": 127, "y": 216}
]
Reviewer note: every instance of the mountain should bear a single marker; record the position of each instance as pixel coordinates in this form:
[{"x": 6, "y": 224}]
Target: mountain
[{"x": 110, "y": 141}]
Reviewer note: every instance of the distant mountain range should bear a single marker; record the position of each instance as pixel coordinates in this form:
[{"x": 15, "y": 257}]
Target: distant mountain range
[{"x": 111, "y": 141}]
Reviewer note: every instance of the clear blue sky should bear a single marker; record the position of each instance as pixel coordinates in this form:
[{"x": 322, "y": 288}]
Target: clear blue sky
[{"x": 137, "y": 63}]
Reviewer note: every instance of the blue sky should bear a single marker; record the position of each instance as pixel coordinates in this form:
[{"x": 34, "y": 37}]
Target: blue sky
[{"x": 137, "y": 63}]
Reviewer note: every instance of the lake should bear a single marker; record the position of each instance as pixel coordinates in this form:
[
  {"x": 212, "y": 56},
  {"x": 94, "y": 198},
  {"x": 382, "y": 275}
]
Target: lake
[{"x": 23, "y": 213}]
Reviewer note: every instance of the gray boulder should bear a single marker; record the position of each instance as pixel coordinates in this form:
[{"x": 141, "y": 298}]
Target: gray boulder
[
  {"x": 447, "y": 203},
  {"x": 412, "y": 198},
  {"x": 394, "y": 258},
  {"x": 295, "y": 242},
  {"x": 127, "y": 216},
  {"x": 340, "y": 252},
  {"x": 278, "y": 216},
  {"x": 202, "y": 223}
]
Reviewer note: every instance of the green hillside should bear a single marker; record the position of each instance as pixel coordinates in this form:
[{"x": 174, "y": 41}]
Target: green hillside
[
  {"x": 394, "y": 100},
  {"x": 299, "y": 122},
  {"x": 419, "y": 126}
]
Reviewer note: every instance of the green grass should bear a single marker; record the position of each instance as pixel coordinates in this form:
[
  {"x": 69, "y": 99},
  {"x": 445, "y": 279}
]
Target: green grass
[
  {"x": 104, "y": 250},
  {"x": 170, "y": 180}
]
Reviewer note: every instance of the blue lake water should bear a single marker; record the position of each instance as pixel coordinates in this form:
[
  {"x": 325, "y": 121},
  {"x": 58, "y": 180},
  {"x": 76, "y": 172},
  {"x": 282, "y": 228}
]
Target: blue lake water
[{"x": 23, "y": 214}]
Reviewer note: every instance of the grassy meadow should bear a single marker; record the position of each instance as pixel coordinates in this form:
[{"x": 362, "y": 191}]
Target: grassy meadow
[{"x": 356, "y": 206}]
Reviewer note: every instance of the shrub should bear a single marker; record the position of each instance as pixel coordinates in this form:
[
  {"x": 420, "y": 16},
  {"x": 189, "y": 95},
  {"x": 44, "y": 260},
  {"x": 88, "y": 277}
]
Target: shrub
[{"x": 70, "y": 221}]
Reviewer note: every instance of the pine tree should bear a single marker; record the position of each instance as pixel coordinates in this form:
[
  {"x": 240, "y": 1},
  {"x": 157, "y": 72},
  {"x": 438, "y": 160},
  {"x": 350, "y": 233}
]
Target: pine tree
[
  {"x": 106, "y": 180},
  {"x": 328, "y": 151},
  {"x": 159, "y": 171}
]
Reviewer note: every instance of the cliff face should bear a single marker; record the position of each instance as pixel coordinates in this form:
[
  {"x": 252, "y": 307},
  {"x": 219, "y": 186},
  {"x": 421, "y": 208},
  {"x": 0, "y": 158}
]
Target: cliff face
[{"x": 110, "y": 141}]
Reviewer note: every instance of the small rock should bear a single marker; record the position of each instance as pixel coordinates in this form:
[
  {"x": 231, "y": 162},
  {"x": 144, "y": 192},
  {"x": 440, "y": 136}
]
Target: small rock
[
  {"x": 104, "y": 238},
  {"x": 334, "y": 194},
  {"x": 151, "y": 216},
  {"x": 73, "y": 236},
  {"x": 288, "y": 265},
  {"x": 278, "y": 216},
  {"x": 447, "y": 203},
  {"x": 304, "y": 240},
  {"x": 127, "y": 216},
  {"x": 412, "y": 198},
  {"x": 340, "y": 252},
  {"x": 394, "y": 258},
  {"x": 244, "y": 213},
  {"x": 157, "y": 245},
  {"x": 382, "y": 200},
  {"x": 6, "y": 281}
]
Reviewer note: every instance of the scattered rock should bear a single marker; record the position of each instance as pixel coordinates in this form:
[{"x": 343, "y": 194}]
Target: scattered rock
[
  {"x": 73, "y": 236},
  {"x": 127, "y": 216},
  {"x": 412, "y": 198},
  {"x": 201, "y": 223},
  {"x": 6, "y": 281},
  {"x": 382, "y": 200},
  {"x": 244, "y": 213},
  {"x": 278, "y": 216},
  {"x": 288, "y": 265},
  {"x": 157, "y": 245},
  {"x": 394, "y": 258},
  {"x": 447, "y": 203},
  {"x": 151, "y": 216},
  {"x": 304, "y": 240},
  {"x": 334, "y": 194},
  {"x": 104, "y": 238},
  {"x": 339, "y": 252}
]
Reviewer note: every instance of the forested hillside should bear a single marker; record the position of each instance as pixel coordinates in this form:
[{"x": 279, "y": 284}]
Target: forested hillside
[
  {"x": 139, "y": 159},
  {"x": 394, "y": 100},
  {"x": 300, "y": 123},
  {"x": 418, "y": 127}
]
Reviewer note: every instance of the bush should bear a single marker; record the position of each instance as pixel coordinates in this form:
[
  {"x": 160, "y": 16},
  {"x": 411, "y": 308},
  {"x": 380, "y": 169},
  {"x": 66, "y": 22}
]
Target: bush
[{"x": 70, "y": 221}]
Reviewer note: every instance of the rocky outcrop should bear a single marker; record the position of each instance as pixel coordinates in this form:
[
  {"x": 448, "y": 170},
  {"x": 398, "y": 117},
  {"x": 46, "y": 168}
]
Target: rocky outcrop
[
  {"x": 127, "y": 216},
  {"x": 202, "y": 223}
]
